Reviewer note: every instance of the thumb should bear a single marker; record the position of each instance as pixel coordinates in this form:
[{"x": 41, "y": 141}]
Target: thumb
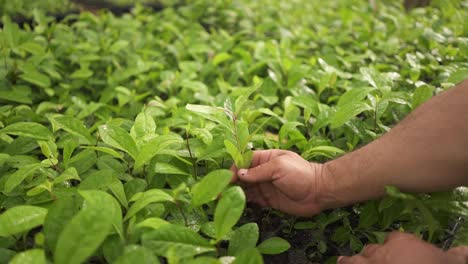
[{"x": 262, "y": 173}]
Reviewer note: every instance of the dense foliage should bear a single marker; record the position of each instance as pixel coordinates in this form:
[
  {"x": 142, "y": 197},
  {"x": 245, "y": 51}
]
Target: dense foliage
[{"x": 117, "y": 132}]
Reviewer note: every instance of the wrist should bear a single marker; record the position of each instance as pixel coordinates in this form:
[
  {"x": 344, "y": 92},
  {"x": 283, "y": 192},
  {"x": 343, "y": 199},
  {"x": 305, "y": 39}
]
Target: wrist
[{"x": 328, "y": 185}]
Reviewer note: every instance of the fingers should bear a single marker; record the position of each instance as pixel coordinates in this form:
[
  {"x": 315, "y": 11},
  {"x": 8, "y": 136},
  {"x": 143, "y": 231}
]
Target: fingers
[
  {"x": 264, "y": 172},
  {"x": 369, "y": 250},
  {"x": 460, "y": 252},
  {"x": 259, "y": 157},
  {"x": 399, "y": 236},
  {"x": 262, "y": 156},
  {"x": 358, "y": 259}
]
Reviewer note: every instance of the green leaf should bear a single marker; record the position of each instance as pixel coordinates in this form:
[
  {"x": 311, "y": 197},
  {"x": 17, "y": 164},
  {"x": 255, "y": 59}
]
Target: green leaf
[
  {"x": 116, "y": 187},
  {"x": 181, "y": 239},
  {"x": 87, "y": 229},
  {"x": 19, "y": 176},
  {"x": 36, "y": 78},
  {"x": 137, "y": 254},
  {"x": 204, "y": 109},
  {"x": 203, "y": 134},
  {"x": 118, "y": 138},
  {"x": 28, "y": 129},
  {"x": 274, "y": 245},
  {"x": 458, "y": 76},
  {"x": 228, "y": 210},
  {"x": 3, "y": 157},
  {"x": 234, "y": 153},
  {"x": 210, "y": 186},
  {"x": 153, "y": 222},
  {"x": 353, "y": 96},
  {"x": 205, "y": 260},
  {"x": 81, "y": 74},
  {"x": 245, "y": 237},
  {"x": 421, "y": 95},
  {"x": 105, "y": 150},
  {"x": 327, "y": 151},
  {"x": 18, "y": 93},
  {"x": 154, "y": 147},
  {"x": 249, "y": 256},
  {"x": 32, "y": 256},
  {"x": 98, "y": 180},
  {"x": 68, "y": 174},
  {"x": 169, "y": 168},
  {"x": 144, "y": 125},
  {"x": 74, "y": 127},
  {"x": 221, "y": 57},
  {"x": 396, "y": 193},
  {"x": 145, "y": 198},
  {"x": 60, "y": 213},
  {"x": 20, "y": 219},
  {"x": 347, "y": 112}
]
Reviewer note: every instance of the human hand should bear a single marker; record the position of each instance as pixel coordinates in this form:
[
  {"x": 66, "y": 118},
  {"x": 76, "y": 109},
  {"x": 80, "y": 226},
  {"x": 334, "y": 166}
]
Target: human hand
[
  {"x": 282, "y": 180},
  {"x": 404, "y": 248}
]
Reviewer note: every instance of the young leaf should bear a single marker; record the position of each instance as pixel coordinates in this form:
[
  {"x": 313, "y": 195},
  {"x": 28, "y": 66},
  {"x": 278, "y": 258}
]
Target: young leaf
[
  {"x": 242, "y": 134},
  {"x": 18, "y": 177},
  {"x": 274, "y": 245},
  {"x": 148, "y": 197},
  {"x": 210, "y": 186},
  {"x": 32, "y": 256},
  {"x": 182, "y": 240},
  {"x": 58, "y": 216},
  {"x": 36, "y": 78},
  {"x": 393, "y": 191},
  {"x": 234, "y": 153},
  {"x": 422, "y": 94},
  {"x": 116, "y": 187},
  {"x": 154, "y": 147},
  {"x": 249, "y": 256},
  {"x": 245, "y": 237},
  {"x": 74, "y": 127},
  {"x": 228, "y": 210},
  {"x": 20, "y": 219},
  {"x": 144, "y": 125},
  {"x": 347, "y": 112},
  {"x": 68, "y": 174},
  {"x": 105, "y": 150},
  {"x": 87, "y": 229},
  {"x": 118, "y": 138},
  {"x": 153, "y": 222},
  {"x": 353, "y": 96},
  {"x": 137, "y": 254},
  {"x": 28, "y": 129},
  {"x": 204, "y": 109},
  {"x": 327, "y": 151}
]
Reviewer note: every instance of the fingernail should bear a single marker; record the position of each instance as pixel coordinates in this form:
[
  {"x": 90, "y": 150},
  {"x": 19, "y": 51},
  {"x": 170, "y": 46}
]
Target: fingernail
[
  {"x": 242, "y": 172},
  {"x": 339, "y": 259}
]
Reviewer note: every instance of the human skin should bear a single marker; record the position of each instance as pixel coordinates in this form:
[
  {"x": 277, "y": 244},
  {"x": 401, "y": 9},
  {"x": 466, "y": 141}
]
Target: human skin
[{"x": 426, "y": 152}]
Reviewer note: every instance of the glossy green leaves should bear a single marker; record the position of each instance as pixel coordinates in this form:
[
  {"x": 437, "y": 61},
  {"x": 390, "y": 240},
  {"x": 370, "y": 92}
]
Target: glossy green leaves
[
  {"x": 210, "y": 186},
  {"x": 87, "y": 229},
  {"x": 228, "y": 210},
  {"x": 21, "y": 219},
  {"x": 179, "y": 239},
  {"x": 146, "y": 198},
  {"x": 118, "y": 138},
  {"x": 274, "y": 245},
  {"x": 28, "y": 129}
]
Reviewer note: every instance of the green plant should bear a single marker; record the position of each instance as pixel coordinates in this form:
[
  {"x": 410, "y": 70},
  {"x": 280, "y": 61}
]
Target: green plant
[{"x": 116, "y": 133}]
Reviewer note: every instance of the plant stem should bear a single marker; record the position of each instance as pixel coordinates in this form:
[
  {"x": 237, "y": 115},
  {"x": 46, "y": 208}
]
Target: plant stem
[
  {"x": 194, "y": 163},
  {"x": 182, "y": 213}
]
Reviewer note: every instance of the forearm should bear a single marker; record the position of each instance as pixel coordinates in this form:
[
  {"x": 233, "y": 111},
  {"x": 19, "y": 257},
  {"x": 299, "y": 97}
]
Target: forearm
[{"x": 426, "y": 152}]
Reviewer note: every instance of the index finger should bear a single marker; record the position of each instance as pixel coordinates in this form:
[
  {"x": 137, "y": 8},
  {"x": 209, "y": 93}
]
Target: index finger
[{"x": 259, "y": 157}]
